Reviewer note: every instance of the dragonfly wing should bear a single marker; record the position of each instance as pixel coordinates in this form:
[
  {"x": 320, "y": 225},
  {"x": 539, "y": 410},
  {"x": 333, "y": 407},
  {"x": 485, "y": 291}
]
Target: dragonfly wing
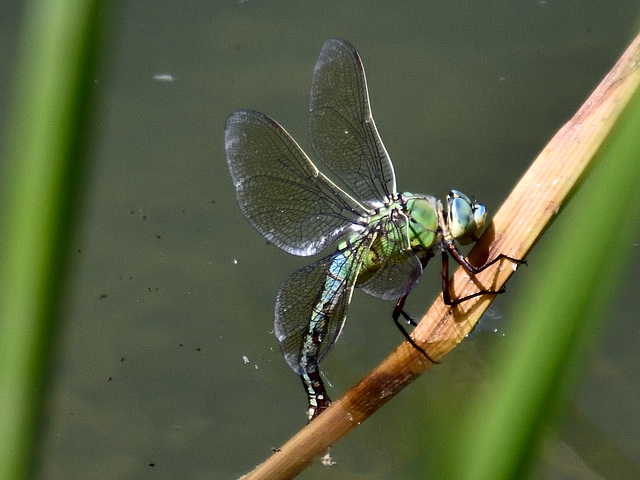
[
  {"x": 280, "y": 191},
  {"x": 341, "y": 127},
  {"x": 398, "y": 269},
  {"x": 311, "y": 307}
]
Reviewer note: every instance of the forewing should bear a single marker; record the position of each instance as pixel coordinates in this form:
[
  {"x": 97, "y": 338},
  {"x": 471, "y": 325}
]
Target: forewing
[
  {"x": 341, "y": 127},
  {"x": 280, "y": 191},
  {"x": 312, "y": 305}
]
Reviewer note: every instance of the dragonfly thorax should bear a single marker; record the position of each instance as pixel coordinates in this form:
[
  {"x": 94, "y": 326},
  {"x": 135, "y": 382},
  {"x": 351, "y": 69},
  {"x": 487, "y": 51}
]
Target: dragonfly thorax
[{"x": 422, "y": 216}]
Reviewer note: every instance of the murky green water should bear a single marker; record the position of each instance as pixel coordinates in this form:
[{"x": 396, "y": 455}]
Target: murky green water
[{"x": 170, "y": 287}]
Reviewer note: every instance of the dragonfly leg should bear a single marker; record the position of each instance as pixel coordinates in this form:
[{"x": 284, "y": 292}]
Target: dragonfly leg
[
  {"x": 446, "y": 295},
  {"x": 399, "y": 312},
  {"x": 455, "y": 253},
  {"x": 316, "y": 392}
]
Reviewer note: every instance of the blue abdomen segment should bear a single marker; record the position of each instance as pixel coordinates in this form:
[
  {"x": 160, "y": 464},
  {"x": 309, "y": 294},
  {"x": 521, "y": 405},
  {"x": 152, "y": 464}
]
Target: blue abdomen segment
[
  {"x": 319, "y": 293},
  {"x": 327, "y": 312}
]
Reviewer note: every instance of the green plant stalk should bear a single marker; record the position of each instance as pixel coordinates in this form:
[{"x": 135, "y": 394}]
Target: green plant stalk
[
  {"x": 570, "y": 290},
  {"x": 45, "y": 142}
]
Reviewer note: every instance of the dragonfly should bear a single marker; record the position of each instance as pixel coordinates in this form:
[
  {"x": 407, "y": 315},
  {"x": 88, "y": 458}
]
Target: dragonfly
[{"x": 384, "y": 239}]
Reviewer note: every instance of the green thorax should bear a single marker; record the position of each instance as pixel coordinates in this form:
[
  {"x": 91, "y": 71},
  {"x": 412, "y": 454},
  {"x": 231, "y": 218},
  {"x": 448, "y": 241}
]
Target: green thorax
[{"x": 410, "y": 223}]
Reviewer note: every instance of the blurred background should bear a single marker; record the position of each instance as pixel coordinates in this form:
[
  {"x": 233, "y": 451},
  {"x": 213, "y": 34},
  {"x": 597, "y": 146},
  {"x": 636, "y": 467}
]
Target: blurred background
[{"x": 166, "y": 365}]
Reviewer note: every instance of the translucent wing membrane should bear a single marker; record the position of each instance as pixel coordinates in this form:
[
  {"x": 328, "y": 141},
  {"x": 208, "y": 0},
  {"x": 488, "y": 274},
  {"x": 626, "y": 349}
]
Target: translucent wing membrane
[
  {"x": 311, "y": 307},
  {"x": 280, "y": 191},
  {"x": 341, "y": 127}
]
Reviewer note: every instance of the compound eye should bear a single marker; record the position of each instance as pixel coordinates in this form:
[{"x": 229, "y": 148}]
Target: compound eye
[
  {"x": 461, "y": 221},
  {"x": 466, "y": 218},
  {"x": 479, "y": 216}
]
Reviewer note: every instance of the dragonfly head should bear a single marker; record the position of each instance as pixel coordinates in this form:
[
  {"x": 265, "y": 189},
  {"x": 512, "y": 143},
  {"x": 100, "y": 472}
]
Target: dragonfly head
[{"x": 465, "y": 217}]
